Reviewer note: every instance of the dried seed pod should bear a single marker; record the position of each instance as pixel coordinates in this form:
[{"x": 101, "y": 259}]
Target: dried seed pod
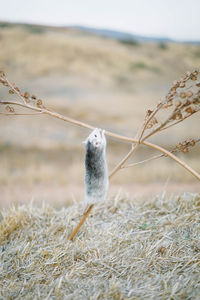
[
  {"x": 175, "y": 84},
  {"x": 180, "y": 146},
  {"x": 173, "y": 89},
  {"x": 2, "y": 80},
  {"x": 178, "y": 116},
  {"x": 173, "y": 117},
  {"x": 185, "y": 150},
  {"x": 159, "y": 104},
  {"x": 2, "y": 74},
  {"x": 192, "y": 143},
  {"x": 183, "y": 79},
  {"x": 193, "y": 77},
  {"x": 198, "y": 84},
  {"x": 195, "y": 73},
  {"x": 177, "y": 103},
  {"x": 196, "y": 101},
  {"x": 189, "y": 94},
  {"x": 152, "y": 123},
  {"x": 165, "y": 106},
  {"x": 170, "y": 103},
  {"x": 12, "y": 109},
  {"x": 11, "y": 92},
  {"x": 183, "y": 95},
  {"x": 149, "y": 112},
  {"x": 39, "y": 103},
  {"x": 173, "y": 93},
  {"x": 188, "y": 102},
  {"x": 26, "y": 95},
  {"x": 17, "y": 89},
  {"x": 182, "y": 85},
  {"x": 188, "y": 73},
  {"x": 189, "y": 110},
  {"x": 9, "y": 108}
]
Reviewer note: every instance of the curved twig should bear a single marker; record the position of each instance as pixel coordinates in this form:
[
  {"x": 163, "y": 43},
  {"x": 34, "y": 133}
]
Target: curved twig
[
  {"x": 109, "y": 133},
  {"x": 40, "y": 109}
]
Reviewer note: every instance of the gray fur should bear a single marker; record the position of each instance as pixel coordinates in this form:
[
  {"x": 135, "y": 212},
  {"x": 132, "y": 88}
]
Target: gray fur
[{"x": 96, "y": 173}]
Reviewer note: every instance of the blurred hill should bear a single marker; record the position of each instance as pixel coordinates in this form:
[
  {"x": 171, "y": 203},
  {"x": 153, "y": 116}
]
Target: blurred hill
[
  {"x": 120, "y": 35},
  {"x": 109, "y": 79},
  {"x": 107, "y": 82}
]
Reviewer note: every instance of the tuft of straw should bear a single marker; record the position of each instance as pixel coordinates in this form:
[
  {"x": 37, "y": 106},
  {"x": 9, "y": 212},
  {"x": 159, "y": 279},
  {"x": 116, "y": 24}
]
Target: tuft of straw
[{"x": 130, "y": 250}]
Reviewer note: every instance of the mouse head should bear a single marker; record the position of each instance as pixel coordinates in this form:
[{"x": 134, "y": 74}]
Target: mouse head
[{"x": 96, "y": 139}]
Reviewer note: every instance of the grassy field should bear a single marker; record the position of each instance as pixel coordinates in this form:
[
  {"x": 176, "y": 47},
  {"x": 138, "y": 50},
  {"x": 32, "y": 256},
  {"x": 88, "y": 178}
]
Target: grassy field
[
  {"x": 101, "y": 81},
  {"x": 143, "y": 246},
  {"x": 128, "y": 249}
]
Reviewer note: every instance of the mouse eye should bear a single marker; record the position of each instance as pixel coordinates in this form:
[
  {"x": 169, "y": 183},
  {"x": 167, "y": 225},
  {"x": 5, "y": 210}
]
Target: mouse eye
[{"x": 95, "y": 135}]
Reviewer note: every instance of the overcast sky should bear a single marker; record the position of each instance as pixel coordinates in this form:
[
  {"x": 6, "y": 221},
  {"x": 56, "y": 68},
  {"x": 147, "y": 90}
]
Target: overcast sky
[{"x": 177, "y": 19}]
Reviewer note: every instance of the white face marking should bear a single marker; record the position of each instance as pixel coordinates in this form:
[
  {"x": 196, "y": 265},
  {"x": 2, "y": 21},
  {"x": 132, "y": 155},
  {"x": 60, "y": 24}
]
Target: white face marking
[{"x": 97, "y": 138}]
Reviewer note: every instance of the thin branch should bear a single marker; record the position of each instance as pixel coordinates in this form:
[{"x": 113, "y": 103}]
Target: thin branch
[
  {"x": 168, "y": 153},
  {"x": 15, "y": 90},
  {"x": 150, "y": 115},
  {"x": 155, "y": 157},
  {"x": 86, "y": 214},
  {"x": 122, "y": 162},
  {"x": 176, "y": 111},
  {"x": 26, "y": 105},
  {"x": 19, "y": 114},
  {"x": 181, "y": 120},
  {"x": 134, "y": 148},
  {"x": 143, "y": 161},
  {"x": 114, "y": 135}
]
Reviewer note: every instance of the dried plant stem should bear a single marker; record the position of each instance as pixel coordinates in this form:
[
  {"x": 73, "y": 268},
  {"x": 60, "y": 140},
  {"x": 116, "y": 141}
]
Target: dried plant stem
[
  {"x": 170, "y": 125},
  {"x": 86, "y": 214},
  {"x": 143, "y": 161},
  {"x": 20, "y": 114},
  {"x": 131, "y": 152},
  {"x": 122, "y": 162},
  {"x": 44, "y": 110},
  {"x": 152, "y": 158},
  {"x": 163, "y": 126},
  {"x": 174, "y": 118},
  {"x": 114, "y": 135},
  {"x": 16, "y": 91},
  {"x": 179, "y": 161}
]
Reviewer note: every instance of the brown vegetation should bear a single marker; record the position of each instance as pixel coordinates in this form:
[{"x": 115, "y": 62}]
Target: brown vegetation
[{"x": 131, "y": 249}]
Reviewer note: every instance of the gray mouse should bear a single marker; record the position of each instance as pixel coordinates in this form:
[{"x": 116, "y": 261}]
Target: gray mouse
[{"x": 96, "y": 172}]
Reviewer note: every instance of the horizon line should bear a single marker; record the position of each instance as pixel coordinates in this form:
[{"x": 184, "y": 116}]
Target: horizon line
[{"x": 88, "y": 26}]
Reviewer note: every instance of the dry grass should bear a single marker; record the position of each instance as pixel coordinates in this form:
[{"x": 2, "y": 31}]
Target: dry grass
[{"x": 129, "y": 250}]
